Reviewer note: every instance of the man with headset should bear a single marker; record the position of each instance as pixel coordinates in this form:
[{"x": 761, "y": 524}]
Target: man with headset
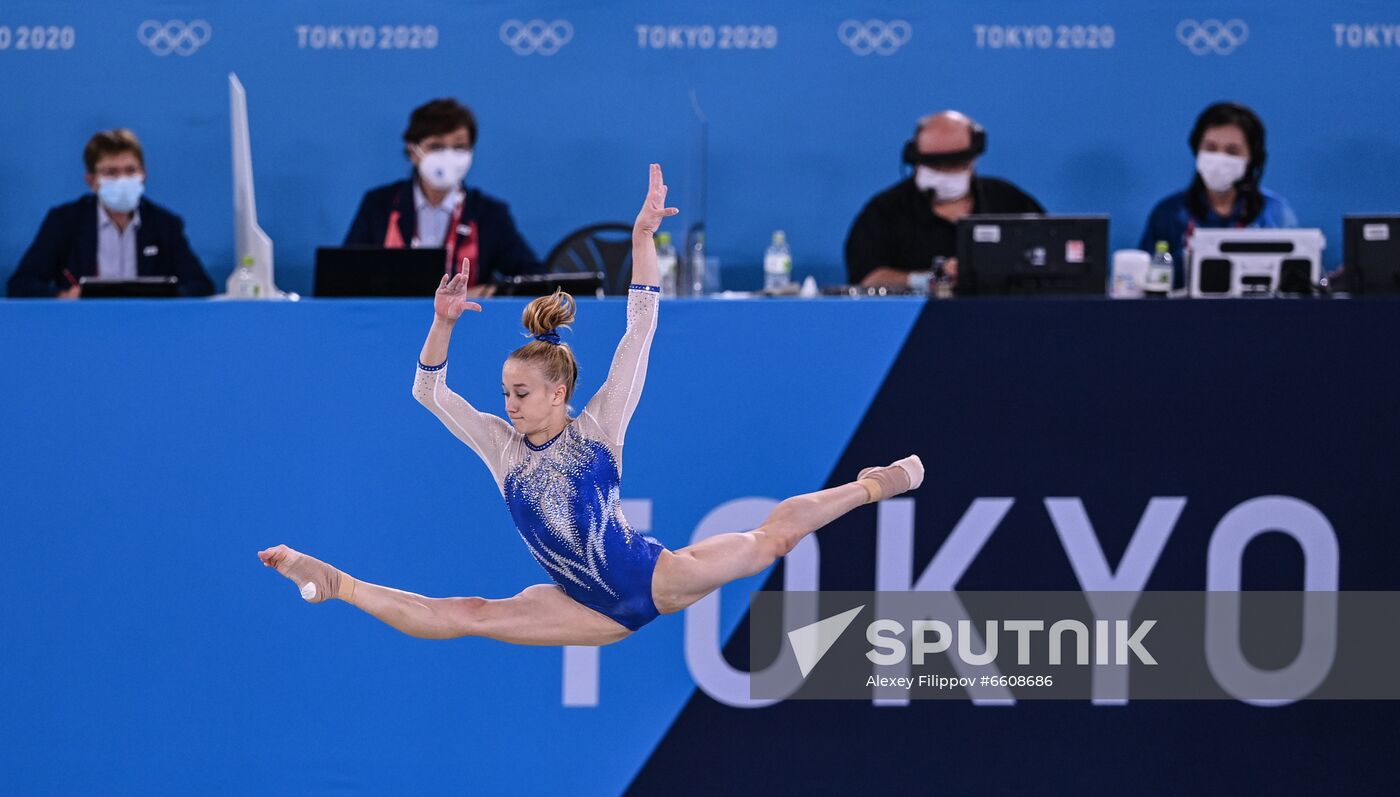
[{"x": 910, "y": 229}]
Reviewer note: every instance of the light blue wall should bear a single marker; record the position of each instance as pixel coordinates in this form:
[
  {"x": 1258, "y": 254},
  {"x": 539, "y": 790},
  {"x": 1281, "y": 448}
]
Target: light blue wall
[
  {"x": 801, "y": 134},
  {"x": 154, "y": 448}
]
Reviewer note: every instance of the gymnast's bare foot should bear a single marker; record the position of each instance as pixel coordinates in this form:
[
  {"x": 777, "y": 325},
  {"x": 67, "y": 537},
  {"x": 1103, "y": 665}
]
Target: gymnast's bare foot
[
  {"x": 317, "y": 580},
  {"x": 900, "y": 476}
]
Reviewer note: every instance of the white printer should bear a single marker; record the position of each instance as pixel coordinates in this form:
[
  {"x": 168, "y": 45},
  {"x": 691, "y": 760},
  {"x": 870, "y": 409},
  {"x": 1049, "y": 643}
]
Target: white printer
[{"x": 1236, "y": 262}]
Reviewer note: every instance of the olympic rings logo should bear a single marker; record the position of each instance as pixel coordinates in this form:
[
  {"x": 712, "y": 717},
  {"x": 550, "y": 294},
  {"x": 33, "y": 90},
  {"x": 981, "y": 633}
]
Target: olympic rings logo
[
  {"x": 536, "y": 36},
  {"x": 1212, "y": 36},
  {"x": 874, "y": 35},
  {"x": 174, "y": 36}
]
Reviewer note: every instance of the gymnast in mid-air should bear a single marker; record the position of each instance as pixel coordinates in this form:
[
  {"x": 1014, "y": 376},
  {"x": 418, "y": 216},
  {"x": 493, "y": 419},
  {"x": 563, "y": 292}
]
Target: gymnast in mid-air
[{"x": 561, "y": 476}]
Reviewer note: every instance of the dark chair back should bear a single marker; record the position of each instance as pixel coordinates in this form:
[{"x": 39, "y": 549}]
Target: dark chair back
[{"x": 603, "y": 248}]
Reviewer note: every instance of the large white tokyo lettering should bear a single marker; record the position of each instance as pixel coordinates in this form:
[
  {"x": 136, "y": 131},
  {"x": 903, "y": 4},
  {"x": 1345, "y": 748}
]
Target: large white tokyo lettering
[
  {"x": 894, "y": 567},
  {"x": 1224, "y": 567},
  {"x": 704, "y": 648},
  {"x": 1112, "y": 594}
]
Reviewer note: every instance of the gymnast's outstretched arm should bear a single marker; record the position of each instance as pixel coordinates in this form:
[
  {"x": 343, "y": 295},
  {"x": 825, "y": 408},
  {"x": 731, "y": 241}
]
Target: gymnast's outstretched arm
[
  {"x": 485, "y": 433},
  {"x": 612, "y": 407},
  {"x": 644, "y": 269}
]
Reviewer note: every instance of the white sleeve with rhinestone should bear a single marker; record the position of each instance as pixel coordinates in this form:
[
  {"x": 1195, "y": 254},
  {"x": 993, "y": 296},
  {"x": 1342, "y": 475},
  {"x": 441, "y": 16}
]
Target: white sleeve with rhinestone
[
  {"x": 611, "y": 409},
  {"x": 486, "y": 434}
]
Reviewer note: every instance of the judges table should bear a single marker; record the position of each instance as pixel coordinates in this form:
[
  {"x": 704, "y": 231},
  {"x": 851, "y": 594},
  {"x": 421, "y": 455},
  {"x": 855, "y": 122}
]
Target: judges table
[{"x": 153, "y": 447}]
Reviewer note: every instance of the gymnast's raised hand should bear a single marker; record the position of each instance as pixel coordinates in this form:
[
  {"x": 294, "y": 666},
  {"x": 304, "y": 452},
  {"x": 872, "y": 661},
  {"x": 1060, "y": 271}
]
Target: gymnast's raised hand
[
  {"x": 654, "y": 207},
  {"x": 451, "y": 299}
]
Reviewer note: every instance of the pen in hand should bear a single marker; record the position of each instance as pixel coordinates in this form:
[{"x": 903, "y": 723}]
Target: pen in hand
[{"x": 75, "y": 288}]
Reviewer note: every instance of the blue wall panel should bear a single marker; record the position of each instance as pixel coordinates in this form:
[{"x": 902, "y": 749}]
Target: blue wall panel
[
  {"x": 1087, "y": 106},
  {"x": 154, "y": 448}
]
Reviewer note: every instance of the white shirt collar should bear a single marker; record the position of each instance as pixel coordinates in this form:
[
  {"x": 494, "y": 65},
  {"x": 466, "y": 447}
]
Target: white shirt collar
[
  {"x": 104, "y": 221},
  {"x": 449, "y": 204}
]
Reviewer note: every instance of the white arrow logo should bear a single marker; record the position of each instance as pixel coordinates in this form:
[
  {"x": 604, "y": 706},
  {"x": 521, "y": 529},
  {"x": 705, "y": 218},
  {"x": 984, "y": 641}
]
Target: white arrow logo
[{"x": 811, "y": 642}]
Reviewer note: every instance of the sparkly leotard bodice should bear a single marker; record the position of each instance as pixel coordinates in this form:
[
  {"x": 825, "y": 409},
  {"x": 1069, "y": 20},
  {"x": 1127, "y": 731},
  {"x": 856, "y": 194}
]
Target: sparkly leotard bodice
[{"x": 565, "y": 495}]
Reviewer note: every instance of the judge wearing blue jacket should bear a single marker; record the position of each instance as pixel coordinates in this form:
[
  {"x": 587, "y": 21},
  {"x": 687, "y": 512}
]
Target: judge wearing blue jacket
[
  {"x": 114, "y": 232},
  {"x": 435, "y": 207},
  {"x": 1228, "y": 144}
]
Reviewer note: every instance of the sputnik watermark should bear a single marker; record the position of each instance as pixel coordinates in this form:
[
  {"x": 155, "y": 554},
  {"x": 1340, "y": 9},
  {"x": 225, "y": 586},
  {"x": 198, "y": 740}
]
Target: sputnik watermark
[
  {"x": 1261, "y": 647},
  {"x": 889, "y": 647},
  {"x": 942, "y": 682}
]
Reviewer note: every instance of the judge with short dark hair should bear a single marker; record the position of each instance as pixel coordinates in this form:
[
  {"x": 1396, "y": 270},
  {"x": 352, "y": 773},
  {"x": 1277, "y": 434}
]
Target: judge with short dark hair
[{"x": 435, "y": 207}]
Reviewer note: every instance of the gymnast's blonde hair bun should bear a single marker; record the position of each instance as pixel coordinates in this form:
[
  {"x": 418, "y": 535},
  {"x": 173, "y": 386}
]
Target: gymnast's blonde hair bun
[{"x": 546, "y": 316}]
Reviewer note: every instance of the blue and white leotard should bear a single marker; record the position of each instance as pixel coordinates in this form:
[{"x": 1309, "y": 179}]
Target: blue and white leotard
[{"x": 565, "y": 495}]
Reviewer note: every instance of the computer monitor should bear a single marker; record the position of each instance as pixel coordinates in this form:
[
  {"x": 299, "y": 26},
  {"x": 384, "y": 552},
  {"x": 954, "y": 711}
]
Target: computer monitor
[
  {"x": 251, "y": 246},
  {"x": 371, "y": 271},
  {"x": 1032, "y": 254},
  {"x": 1371, "y": 254},
  {"x": 132, "y": 288}
]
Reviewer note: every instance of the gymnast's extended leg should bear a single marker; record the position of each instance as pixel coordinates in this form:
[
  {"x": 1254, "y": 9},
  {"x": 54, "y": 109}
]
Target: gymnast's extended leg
[
  {"x": 539, "y": 615},
  {"x": 685, "y": 576}
]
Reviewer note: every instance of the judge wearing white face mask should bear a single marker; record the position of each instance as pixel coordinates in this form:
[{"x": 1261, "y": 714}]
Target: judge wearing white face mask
[
  {"x": 1228, "y": 143},
  {"x": 902, "y": 231},
  {"x": 115, "y": 232},
  {"x": 436, "y": 207}
]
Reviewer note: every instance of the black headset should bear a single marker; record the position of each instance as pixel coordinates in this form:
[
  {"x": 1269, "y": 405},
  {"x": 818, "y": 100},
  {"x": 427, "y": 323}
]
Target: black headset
[{"x": 912, "y": 157}]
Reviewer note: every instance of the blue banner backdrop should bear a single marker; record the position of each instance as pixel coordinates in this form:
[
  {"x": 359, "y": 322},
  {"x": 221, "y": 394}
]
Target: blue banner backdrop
[{"x": 1087, "y": 106}]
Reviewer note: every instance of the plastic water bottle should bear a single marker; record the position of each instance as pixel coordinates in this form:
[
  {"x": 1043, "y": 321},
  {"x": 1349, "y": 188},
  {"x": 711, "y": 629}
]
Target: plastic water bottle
[
  {"x": 247, "y": 285},
  {"x": 1159, "y": 273},
  {"x": 777, "y": 264},
  {"x": 695, "y": 273},
  {"x": 942, "y": 282},
  {"x": 666, "y": 263}
]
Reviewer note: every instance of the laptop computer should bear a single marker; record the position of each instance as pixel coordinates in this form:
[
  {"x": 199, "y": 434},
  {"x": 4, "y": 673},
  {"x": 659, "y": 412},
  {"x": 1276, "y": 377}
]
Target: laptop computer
[
  {"x": 134, "y": 288},
  {"x": 588, "y": 283},
  {"x": 1032, "y": 254},
  {"x": 373, "y": 271},
  {"x": 1371, "y": 253}
]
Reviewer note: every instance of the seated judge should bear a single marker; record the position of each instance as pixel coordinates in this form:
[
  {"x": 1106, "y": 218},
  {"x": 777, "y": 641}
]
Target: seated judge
[
  {"x": 114, "y": 232},
  {"x": 899, "y": 233},
  {"x": 1227, "y": 142},
  {"x": 435, "y": 207}
]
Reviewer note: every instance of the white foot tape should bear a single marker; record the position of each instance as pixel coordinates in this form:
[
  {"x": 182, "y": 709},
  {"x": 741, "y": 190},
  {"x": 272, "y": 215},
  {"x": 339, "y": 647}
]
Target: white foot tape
[
  {"x": 913, "y": 466},
  {"x": 308, "y": 591}
]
